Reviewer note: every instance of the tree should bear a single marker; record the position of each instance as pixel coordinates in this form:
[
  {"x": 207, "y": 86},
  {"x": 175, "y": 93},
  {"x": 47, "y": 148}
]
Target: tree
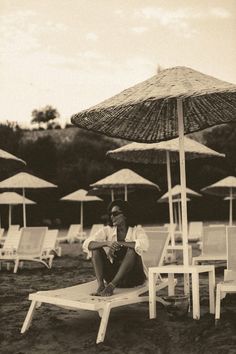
[{"x": 45, "y": 115}]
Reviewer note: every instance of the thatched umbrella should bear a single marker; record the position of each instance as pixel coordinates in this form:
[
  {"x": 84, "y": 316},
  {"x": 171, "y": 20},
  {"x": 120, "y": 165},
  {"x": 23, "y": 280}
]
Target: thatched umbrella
[
  {"x": 163, "y": 152},
  {"x": 22, "y": 181},
  {"x": 176, "y": 194},
  {"x": 224, "y": 187},
  {"x": 174, "y": 102},
  {"x": 12, "y": 198},
  {"x": 108, "y": 191},
  {"x": 124, "y": 178},
  {"x": 81, "y": 196}
]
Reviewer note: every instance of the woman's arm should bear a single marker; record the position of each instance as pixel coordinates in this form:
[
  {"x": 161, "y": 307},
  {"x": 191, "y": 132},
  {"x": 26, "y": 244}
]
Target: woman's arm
[
  {"x": 94, "y": 245},
  {"x": 127, "y": 244}
]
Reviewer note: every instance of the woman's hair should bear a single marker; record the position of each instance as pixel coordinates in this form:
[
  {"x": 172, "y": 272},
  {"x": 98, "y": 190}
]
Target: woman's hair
[{"x": 126, "y": 209}]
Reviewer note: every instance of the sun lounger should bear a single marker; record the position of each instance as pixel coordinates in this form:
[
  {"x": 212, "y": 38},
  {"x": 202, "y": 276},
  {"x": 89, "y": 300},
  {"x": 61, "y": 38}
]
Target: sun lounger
[
  {"x": 195, "y": 230},
  {"x": 229, "y": 283},
  {"x": 30, "y": 248},
  {"x": 51, "y": 243},
  {"x": 213, "y": 244},
  {"x": 79, "y": 297},
  {"x": 72, "y": 234}
]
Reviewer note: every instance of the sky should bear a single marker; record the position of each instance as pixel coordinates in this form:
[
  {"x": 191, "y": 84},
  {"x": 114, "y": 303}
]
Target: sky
[{"x": 73, "y": 54}]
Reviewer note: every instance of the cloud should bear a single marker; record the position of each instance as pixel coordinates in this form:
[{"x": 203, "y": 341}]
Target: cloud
[
  {"x": 91, "y": 36},
  {"x": 139, "y": 29}
]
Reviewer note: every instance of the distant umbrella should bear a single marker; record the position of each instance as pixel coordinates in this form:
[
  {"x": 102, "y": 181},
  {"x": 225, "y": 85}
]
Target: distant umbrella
[
  {"x": 224, "y": 187},
  {"x": 124, "y": 178},
  {"x": 22, "y": 181},
  {"x": 176, "y": 195},
  {"x": 4, "y": 155},
  {"x": 174, "y": 102},
  {"x": 81, "y": 196},
  {"x": 12, "y": 198}
]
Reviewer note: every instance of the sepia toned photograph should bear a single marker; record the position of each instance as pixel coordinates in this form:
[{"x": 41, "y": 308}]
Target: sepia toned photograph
[{"x": 117, "y": 177}]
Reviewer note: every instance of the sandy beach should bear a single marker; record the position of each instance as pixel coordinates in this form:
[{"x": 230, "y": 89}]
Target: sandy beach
[{"x": 56, "y": 330}]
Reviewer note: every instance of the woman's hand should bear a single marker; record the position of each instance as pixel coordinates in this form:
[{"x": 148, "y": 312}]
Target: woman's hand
[{"x": 114, "y": 246}]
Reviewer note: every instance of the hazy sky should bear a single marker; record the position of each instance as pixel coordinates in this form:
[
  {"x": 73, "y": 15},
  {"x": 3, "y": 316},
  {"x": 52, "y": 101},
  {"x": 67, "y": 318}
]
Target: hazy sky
[{"x": 73, "y": 54}]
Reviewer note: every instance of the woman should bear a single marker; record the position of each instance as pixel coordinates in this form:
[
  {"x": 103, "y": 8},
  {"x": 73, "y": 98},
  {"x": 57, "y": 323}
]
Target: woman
[{"x": 116, "y": 251}]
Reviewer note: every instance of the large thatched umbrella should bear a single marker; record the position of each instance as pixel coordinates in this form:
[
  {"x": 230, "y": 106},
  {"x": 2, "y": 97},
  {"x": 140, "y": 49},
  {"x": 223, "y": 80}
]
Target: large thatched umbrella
[
  {"x": 12, "y": 198},
  {"x": 81, "y": 196},
  {"x": 163, "y": 152},
  {"x": 174, "y": 102},
  {"x": 224, "y": 187},
  {"x": 124, "y": 178},
  {"x": 22, "y": 181}
]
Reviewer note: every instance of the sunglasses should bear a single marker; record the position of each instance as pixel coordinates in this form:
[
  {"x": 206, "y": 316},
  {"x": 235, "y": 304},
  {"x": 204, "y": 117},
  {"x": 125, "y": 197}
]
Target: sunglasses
[{"x": 115, "y": 213}]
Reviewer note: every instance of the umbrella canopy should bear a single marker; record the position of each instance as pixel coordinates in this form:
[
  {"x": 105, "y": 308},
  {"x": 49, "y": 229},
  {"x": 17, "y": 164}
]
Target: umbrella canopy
[
  {"x": 12, "y": 198},
  {"x": 125, "y": 178},
  {"x": 147, "y": 112},
  {"x": 155, "y": 153},
  {"x": 163, "y": 152},
  {"x": 81, "y": 196},
  {"x": 7, "y": 156},
  {"x": 22, "y": 181},
  {"x": 174, "y": 102},
  {"x": 176, "y": 198},
  {"x": 176, "y": 194},
  {"x": 224, "y": 187}
]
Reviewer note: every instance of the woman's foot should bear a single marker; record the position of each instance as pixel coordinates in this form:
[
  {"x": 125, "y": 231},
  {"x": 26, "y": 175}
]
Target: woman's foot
[
  {"x": 99, "y": 290},
  {"x": 108, "y": 291}
]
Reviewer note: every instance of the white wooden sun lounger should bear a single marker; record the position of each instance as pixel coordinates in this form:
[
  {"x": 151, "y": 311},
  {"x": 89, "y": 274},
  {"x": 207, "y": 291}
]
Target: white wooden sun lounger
[{"x": 79, "y": 297}]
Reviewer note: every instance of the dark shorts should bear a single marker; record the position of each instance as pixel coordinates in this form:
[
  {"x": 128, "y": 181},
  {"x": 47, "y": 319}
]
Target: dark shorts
[{"x": 134, "y": 277}]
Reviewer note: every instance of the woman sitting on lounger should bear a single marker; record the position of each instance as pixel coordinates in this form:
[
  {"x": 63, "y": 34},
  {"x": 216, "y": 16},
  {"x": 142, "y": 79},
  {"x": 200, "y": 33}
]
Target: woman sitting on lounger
[{"x": 120, "y": 263}]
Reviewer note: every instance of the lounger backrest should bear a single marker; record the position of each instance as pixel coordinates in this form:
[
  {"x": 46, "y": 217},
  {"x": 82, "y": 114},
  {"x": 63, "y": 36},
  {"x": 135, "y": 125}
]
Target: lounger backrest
[
  {"x": 31, "y": 241},
  {"x": 95, "y": 228},
  {"x": 158, "y": 242},
  {"x": 214, "y": 240},
  {"x": 156, "y": 228},
  {"x": 231, "y": 248},
  {"x": 14, "y": 228},
  {"x": 50, "y": 239},
  {"x": 73, "y": 231},
  {"x": 195, "y": 230},
  {"x": 12, "y": 239}
]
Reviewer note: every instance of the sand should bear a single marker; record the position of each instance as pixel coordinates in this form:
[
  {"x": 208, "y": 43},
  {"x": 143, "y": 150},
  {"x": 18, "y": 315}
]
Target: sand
[{"x": 56, "y": 330}]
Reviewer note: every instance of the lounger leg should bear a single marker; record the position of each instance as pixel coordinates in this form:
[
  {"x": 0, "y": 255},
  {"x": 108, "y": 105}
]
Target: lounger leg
[
  {"x": 16, "y": 265},
  {"x": 171, "y": 284},
  {"x": 211, "y": 291},
  {"x": 152, "y": 295},
  {"x": 103, "y": 324},
  {"x": 218, "y": 298},
  {"x": 29, "y": 317},
  {"x": 195, "y": 296}
]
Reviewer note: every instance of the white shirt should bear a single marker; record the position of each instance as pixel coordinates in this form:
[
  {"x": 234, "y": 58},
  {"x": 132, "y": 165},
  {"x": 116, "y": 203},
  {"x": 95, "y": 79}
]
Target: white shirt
[{"x": 107, "y": 233}]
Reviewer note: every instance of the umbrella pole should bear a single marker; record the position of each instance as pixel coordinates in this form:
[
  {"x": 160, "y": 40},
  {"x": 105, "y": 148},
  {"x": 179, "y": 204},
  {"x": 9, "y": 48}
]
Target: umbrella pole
[
  {"x": 170, "y": 199},
  {"x": 112, "y": 195},
  {"x": 175, "y": 215},
  {"x": 126, "y": 193},
  {"x": 81, "y": 218},
  {"x": 231, "y": 207},
  {"x": 183, "y": 181},
  {"x": 24, "y": 209},
  {"x": 9, "y": 216},
  {"x": 179, "y": 213}
]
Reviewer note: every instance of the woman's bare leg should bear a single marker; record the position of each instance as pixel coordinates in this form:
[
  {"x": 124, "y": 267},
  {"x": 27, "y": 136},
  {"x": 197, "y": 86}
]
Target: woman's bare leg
[
  {"x": 126, "y": 265},
  {"x": 98, "y": 265}
]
